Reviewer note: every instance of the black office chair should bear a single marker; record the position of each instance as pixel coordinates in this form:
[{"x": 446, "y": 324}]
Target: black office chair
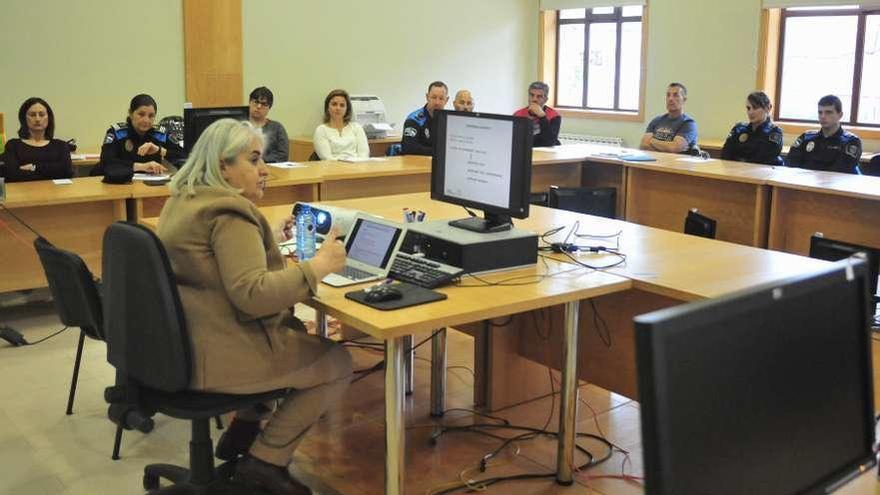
[
  {"x": 76, "y": 298},
  {"x": 149, "y": 346},
  {"x": 700, "y": 225}
]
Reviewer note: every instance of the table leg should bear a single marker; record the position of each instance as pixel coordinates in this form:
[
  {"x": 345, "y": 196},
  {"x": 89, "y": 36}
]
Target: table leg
[
  {"x": 438, "y": 373},
  {"x": 320, "y": 323},
  {"x": 395, "y": 449},
  {"x": 569, "y": 396},
  {"x": 408, "y": 360}
]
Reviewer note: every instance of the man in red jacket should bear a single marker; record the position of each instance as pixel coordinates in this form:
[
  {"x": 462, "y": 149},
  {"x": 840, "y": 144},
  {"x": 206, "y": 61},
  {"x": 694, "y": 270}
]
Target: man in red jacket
[{"x": 545, "y": 120}]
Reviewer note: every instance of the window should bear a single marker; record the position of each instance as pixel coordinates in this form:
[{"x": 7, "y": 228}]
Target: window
[
  {"x": 599, "y": 58},
  {"x": 829, "y": 50}
]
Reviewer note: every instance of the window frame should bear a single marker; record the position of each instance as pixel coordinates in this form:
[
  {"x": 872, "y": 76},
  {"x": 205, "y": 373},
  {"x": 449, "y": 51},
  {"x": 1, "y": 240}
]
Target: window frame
[
  {"x": 549, "y": 62},
  {"x": 858, "y": 64}
]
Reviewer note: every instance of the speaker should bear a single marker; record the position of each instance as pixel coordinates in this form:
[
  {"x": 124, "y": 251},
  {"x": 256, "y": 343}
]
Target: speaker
[{"x": 699, "y": 225}]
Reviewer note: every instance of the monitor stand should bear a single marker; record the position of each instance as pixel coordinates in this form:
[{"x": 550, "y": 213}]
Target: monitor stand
[{"x": 491, "y": 223}]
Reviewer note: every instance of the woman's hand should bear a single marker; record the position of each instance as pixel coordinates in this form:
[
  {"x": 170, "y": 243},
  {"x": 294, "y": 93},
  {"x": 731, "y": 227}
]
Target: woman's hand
[
  {"x": 150, "y": 168},
  {"x": 331, "y": 256},
  {"x": 148, "y": 148},
  {"x": 284, "y": 231}
]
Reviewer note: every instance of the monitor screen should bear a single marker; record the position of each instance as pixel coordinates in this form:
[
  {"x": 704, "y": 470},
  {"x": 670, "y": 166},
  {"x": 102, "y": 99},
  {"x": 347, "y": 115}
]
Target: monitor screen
[
  {"x": 824, "y": 248},
  {"x": 196, "y": 120},
  {"x": 767, "y": 391},
  {"x": 372, "y": 243},
  {"x": 483, "y": 161}
]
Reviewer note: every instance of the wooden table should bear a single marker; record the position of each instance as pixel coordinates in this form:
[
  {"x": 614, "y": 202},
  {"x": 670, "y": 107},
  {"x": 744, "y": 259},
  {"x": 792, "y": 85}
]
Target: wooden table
[
  {"x": 465, "y": 305},
  {"x": 842, "y": 206},
  {"x": 302, "y": 147},
  {"x": 72, "y": 217}
]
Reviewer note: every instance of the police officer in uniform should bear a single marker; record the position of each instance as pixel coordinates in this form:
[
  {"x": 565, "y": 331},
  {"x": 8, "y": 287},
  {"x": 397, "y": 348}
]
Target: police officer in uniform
[
  {"x": 135, "y": 145},
  {"x": 831, "y": 149},
  {"x": 417, "y": 137},
  {"x": 757, "y": 141}
]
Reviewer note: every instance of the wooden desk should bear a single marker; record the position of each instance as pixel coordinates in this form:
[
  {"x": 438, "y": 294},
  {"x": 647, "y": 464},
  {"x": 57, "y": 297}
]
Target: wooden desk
[
  {"x": 842, "y": 206},
  {"x": 302, "y": 147},
  {"x": 72, "y": 217},
  {"x": 83, "y": 166},
  {"x": 465, "y": 305},
  {"x": 284, "y": 187}
]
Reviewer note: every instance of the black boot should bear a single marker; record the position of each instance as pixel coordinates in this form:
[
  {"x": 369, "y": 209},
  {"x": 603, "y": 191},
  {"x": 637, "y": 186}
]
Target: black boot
[
  {"x": 275, "y": 479},
  {"x": 237, "y": 439}
]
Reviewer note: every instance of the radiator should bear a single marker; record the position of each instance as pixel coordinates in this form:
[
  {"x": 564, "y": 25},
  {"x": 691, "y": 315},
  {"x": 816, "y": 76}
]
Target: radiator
[{"x": 581, "y": 139}]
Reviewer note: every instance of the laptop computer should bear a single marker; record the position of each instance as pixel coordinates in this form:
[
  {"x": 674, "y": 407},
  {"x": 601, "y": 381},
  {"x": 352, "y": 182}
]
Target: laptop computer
[{"x": 370, "y": 244}]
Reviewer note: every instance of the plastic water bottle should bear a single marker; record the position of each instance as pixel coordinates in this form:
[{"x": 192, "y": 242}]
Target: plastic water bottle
[{"x": 305, "y": 233}]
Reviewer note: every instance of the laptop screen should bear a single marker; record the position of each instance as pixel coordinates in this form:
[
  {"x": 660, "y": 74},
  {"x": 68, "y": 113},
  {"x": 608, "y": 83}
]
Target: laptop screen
[{"x": 372, "y": 243}]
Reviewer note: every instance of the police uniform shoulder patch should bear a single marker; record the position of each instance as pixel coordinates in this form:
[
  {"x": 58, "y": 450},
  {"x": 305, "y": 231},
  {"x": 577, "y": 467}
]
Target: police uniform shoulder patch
[
  {"x": 410, "y": 132},
  {"x": 776, "y": 137},
  {"x": 129, "y": 146},
  {"x": 109, "y": 138},
  {"x": 427, "y": 133},
  {"x": 798, "y": 141},
  {"x": 743, "y": 137},
  {"x": 854, "y": 151},
  {"x": 810, "y": 146}
]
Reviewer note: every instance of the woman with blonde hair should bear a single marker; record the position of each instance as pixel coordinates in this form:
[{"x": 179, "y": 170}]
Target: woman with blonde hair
[
  {"x": 339, "y": 138},
  {"x": 237, "y": 295}
]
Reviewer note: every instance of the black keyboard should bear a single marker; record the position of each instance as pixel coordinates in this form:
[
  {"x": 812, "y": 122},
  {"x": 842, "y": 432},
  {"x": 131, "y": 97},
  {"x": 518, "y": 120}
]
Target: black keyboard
[{"x": 419, "y": 271}]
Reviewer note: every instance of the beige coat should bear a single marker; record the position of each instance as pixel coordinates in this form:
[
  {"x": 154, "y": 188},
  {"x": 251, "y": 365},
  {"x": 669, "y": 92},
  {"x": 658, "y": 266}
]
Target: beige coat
[{"x": 234, "y": 287}]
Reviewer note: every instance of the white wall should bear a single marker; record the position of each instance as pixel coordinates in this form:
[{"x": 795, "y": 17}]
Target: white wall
[
  {"x": 391, "y": 48},
  {"x": 87, "y": 59}
]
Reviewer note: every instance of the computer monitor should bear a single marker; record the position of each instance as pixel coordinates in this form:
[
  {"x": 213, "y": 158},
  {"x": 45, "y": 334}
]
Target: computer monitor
[
  {"x": 483, "y": 161},
  {"x": 599, "y": 201},
  {"x": 196, "y": 120},
  {"x": 824, "y": 248},
  {"x": 765, "y": 391}
]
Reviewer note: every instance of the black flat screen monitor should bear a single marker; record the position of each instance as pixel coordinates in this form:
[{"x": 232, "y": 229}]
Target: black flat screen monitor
[
  {"x": 196, "y": 120},
  {"x": 599, "y": 201},
  {"x": 824, "y": 248},
  {"x": 483, "y": 161},
  {"x": 767, "y": 391}
]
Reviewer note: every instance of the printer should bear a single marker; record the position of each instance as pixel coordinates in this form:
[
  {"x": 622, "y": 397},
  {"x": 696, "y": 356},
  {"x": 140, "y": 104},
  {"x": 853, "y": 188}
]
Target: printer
[{"x": 369, "y": 112}]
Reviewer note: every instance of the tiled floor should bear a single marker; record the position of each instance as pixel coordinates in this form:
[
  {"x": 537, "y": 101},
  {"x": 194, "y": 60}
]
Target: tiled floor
[{"x": 43, "y": 451}]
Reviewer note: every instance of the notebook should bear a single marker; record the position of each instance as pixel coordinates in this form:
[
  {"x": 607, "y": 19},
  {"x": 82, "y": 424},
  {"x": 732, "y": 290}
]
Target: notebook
[{"x": 370, "y": 244}]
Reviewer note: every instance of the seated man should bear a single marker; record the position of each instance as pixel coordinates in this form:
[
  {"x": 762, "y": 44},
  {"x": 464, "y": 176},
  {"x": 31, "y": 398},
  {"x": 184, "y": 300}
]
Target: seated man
[
  {"x": 674, "y": 131},
  {"x": 417, "y": 137},
  {"x": 463, "y": 101},
  {"x": 545, "y": 120},
  {"x": 831, "y": 149}
]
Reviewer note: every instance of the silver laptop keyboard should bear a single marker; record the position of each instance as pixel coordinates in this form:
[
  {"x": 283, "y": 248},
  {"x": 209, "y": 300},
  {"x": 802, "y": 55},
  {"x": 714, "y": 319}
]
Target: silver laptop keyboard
[{"x": 352, "y": 273}]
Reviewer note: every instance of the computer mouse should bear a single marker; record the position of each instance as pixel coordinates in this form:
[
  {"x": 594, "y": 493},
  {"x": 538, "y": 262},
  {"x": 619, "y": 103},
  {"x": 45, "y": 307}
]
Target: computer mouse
[{"x": 383, "y": 293}]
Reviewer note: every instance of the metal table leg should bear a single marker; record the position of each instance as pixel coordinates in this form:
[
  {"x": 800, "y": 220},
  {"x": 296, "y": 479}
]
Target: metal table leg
[
  {"x": 394, "y": 421},
  {"x": 569, "y": 397},
  {"x": 438, "y": 373},
  {"x": 320, "y": 323},
  {"x": 408, "y": 361}
]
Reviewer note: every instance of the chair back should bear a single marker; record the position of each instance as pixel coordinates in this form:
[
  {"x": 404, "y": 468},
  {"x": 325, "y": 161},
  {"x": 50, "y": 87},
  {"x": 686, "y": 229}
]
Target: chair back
[
  {"x": 146, "y": 331},
  {"x": 73, "y": 288}
]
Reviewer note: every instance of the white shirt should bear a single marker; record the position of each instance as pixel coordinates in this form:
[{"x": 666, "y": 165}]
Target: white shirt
[{"x": 331, "y": 144}]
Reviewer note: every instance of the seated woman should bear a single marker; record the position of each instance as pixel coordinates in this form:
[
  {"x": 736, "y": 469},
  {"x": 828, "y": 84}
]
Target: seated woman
[
  {"x": 35, "y": 155},
  {"x": 275, "y": 139},
  {"x": 338, "y": 137},
  {"x": 236, "y": 292},
  {"x": 759, "y": 140},
  {"x": 135, "y": 145}
]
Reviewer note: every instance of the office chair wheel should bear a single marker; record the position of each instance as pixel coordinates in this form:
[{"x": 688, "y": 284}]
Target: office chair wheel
[{"x": 151, "y": 482}]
